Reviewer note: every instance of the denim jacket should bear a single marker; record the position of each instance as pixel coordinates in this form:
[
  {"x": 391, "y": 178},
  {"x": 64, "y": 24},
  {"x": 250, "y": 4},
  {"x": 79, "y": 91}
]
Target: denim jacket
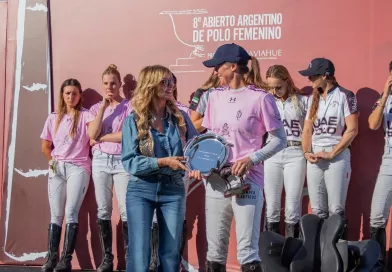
[{"x": 166, "y": 144}]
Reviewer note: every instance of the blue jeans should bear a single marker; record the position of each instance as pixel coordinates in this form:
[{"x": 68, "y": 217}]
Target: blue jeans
[{"x": 166, "y": 194}]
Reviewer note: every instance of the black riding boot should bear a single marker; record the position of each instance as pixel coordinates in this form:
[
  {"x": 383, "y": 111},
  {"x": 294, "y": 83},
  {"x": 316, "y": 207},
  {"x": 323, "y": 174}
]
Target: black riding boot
[
  {"x": 378, "y": 234},
  {"x": 105, "y": 236},
  {"x": 292, "y": 230},
  {"x": 344, "y": 235},
  {"x": 273, "y": 227},
  {"x": 215, "y": 267},
  {"x": 154, "y": 247},
  {"x": 251, "y": 267},
  {"x": 71, "y": 235},
  {"x": 54, "y": 236},
  {"x": 125, "y": 236}
]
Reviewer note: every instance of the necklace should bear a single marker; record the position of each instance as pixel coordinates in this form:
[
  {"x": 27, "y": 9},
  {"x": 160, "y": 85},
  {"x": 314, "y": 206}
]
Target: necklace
[{"x": 154, "y": 118}]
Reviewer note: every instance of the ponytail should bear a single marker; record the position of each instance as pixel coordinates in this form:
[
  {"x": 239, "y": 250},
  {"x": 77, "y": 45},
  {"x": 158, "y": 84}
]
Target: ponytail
[
  {"x": 315, "y": 105},
  {"x": 252, "y": 75},
  {"x": 316, "y": 99}
]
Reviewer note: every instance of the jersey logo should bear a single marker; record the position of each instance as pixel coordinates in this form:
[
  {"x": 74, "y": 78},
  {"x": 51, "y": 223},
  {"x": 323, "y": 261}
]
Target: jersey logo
[
  {"x": 352, "y": 104},
  {"x": 232, "y": 99},
  {"x": 239, "y": 114},
  {"x": 225, "y": 130}
]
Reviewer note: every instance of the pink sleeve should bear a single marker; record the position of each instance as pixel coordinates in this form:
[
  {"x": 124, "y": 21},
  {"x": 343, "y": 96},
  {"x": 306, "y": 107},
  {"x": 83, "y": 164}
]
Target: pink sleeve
[
  {"x": 92, "y": 113},
  {"x": 270, "y": 113},
  {"x": 46, "y": 131}
]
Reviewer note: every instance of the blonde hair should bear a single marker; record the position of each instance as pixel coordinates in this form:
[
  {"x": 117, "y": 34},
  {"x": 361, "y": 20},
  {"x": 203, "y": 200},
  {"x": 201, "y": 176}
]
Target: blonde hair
[
  {"x": 253, "y": 76},
  {"x": 112, "y": 70},
  {"x": 281, "y": 72},
  {"x": 62, "y": 107},
  {"x": 148, "y": 87}
]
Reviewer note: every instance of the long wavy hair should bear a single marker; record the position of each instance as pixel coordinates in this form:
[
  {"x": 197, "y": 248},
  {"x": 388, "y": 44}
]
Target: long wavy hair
[
  {"x": 252, "y": 75},
  {"x": 149, "y": 86},
  {"x": 281, "y": 72},
  {"x": 62, "y": 107}
]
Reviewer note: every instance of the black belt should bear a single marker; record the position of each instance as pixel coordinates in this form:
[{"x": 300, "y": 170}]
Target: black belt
[{"x": 293, "y": 143}]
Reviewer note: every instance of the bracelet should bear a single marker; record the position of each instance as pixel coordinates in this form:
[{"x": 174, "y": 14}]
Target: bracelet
[
  {"x": 306, "y": 152},
  {"x": 381, "y": 106}
]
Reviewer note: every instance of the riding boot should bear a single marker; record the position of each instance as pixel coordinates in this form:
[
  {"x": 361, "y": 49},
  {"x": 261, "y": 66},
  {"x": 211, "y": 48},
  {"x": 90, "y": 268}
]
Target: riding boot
[
  {"x": 292, "y": 230},
  {"x": 105, "y": 237},
  {"x": 215, "y": 267},
  {"x": 71, "y": 235},
  {"x": 273, "y": 227},
  {"x": 54, "y": 236}
]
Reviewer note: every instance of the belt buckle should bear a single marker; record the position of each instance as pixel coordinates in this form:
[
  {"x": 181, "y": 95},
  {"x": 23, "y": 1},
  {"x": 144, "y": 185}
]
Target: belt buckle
[{"x": 293, "y": 143}]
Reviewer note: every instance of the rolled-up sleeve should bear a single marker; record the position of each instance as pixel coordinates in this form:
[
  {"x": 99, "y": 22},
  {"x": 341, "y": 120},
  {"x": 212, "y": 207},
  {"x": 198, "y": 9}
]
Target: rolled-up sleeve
[{"x": 133, "y": 162}]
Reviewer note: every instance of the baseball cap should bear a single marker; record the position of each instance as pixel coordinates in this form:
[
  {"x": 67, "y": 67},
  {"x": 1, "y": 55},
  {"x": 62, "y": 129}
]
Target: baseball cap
[
  {"x": 228, "y": 53},
  {"x": 319, "y": 66}
]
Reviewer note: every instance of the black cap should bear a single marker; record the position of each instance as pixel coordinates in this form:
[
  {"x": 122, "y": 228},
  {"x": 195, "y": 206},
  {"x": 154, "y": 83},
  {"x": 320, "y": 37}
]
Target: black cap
[
  {"x": 228, "y": 53},
  {"x": 319, "y": 66}
]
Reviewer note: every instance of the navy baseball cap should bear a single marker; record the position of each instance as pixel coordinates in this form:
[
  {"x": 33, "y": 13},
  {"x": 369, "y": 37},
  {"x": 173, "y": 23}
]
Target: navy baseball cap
[
  {"x": 319, "y": 66},
  {"x": 228, "y": 53}
]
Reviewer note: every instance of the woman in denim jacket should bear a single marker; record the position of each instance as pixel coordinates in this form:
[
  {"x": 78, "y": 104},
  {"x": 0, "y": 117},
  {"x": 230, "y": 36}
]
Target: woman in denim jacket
[{"x": 153, "y": 138}]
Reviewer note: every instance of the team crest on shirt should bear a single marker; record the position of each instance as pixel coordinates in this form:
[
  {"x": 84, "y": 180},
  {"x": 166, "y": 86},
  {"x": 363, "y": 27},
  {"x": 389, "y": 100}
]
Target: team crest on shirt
[
  {"x": 225, "y": 130},
  {"x": 239, "y": 114},
  {"x": 335, "y": 103}
]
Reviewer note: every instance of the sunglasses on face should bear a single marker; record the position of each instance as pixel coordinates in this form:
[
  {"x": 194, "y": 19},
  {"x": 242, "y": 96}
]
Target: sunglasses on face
[{"x": 168, "y": 82}]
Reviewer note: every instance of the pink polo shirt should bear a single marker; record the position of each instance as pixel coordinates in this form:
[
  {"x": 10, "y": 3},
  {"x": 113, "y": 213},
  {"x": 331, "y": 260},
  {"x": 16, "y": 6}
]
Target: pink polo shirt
[
  {"x": 112, "y": 122},
  {"x": 243, "y": 116},
  {"x": 73, "y": 150}
]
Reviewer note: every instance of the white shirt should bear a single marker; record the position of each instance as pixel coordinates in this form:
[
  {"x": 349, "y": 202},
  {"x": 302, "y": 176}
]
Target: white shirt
[
  {"x": 292, "y": 112},
  {"x": 330, "y": 124},
  {"x": 387, "y": 122}
]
